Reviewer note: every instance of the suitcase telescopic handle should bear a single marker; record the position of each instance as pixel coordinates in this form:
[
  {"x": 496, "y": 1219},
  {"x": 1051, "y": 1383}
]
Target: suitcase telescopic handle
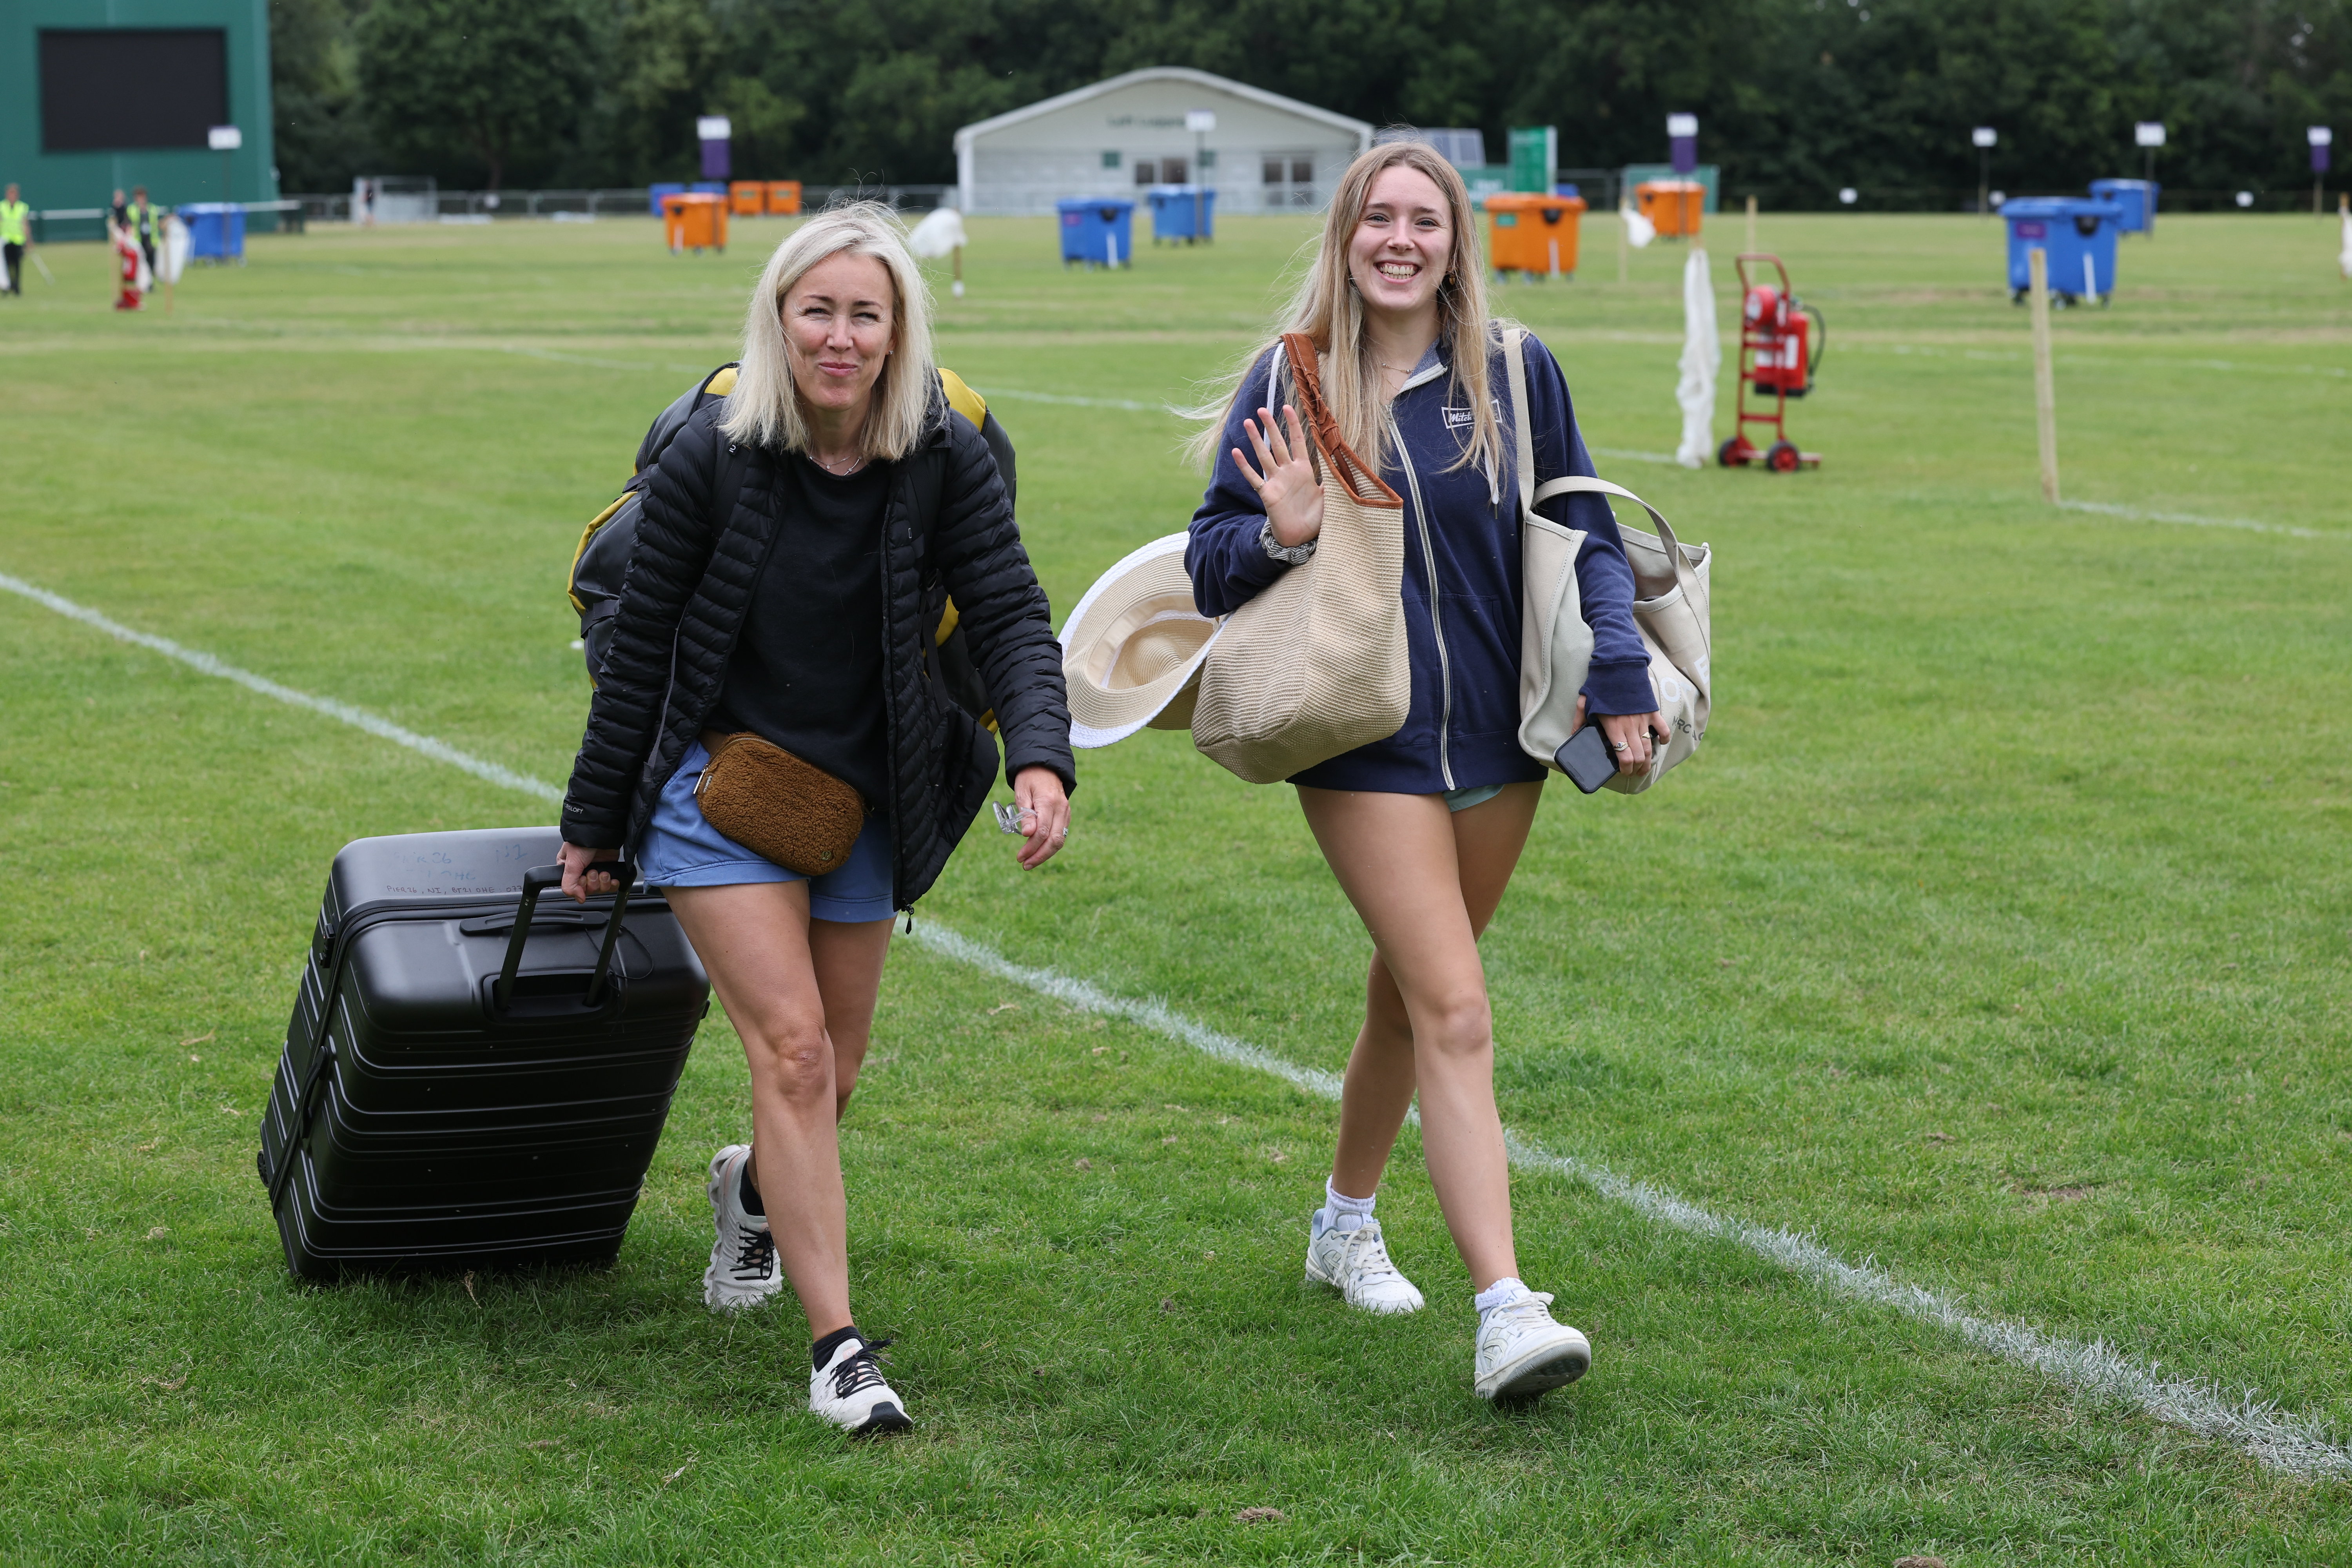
[{"x": 537, "y": 880}]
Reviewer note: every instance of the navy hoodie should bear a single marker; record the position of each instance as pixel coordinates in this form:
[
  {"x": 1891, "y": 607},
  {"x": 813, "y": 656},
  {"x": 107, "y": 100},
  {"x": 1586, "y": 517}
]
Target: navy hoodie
[{"x": 1462, "y": 535}]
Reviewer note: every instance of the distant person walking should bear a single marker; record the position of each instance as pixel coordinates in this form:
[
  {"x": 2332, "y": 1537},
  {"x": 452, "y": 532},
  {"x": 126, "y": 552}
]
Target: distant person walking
[
  {"x": 15, "y": 234},
  {"x": 1423, "y": 829},
  {"x": 798, "y": 545},
  {"x": 118, "y": 212},
  {"x": 367, "y": 203},
  {"x": 126, "y": 258}
]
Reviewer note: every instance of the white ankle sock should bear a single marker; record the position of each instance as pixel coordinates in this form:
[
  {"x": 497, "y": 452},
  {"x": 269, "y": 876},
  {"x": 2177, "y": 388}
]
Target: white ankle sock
[
  {"x": 1342, "y": 1211},
  {"x": 1501, "y": 1293}
]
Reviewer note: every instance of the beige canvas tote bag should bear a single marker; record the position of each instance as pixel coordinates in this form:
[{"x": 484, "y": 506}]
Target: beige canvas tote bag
[
  {"x": 1555, "y": 644},
  {"x": 1670, "y": 591},
  {"x": 1316, "y": 665}
]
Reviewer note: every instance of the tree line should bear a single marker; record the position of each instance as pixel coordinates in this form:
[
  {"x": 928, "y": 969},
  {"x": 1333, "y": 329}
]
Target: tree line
[{"x": 1795, "y": 98}]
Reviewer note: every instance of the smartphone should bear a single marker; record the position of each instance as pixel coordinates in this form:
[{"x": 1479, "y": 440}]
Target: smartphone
[{"x": 1586, "y": 759}]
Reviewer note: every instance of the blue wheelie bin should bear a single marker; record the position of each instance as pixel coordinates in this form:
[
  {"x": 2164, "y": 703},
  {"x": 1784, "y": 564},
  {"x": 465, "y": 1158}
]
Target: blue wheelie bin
[
  {"x": 215, "y": 231},
  {"x": 2080, "y": 236},
  {"x": 656, "y": 193},
  {"x": 1097, "y": 230},
  {"x": 1188, "y": 213},
  {"x": 2136, "y": 197}
]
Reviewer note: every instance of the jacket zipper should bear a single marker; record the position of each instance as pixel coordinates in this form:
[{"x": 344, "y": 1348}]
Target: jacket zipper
[
  {"x": 890, "y": 707},
  {"x": 1437, "y": 620}
]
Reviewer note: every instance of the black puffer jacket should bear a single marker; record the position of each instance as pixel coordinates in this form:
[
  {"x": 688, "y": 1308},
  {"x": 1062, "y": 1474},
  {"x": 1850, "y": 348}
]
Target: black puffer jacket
[{"x": 948, "y": 530}]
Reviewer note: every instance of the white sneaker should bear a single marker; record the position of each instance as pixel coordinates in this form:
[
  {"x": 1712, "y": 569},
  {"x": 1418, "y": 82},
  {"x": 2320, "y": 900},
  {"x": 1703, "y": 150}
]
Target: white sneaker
[
  {"x": 850, "y": 1391},
  {"x": 1521, "y": 1351},
  {"x": 743, "y": 1270},
  {"x": 1355, "y": 1264}
]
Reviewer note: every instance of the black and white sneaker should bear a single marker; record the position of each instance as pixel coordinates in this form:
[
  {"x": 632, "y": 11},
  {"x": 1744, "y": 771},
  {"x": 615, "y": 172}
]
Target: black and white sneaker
[
  {"x": 850, "y": 1391},
  {"x": 743, "y": 1270}
]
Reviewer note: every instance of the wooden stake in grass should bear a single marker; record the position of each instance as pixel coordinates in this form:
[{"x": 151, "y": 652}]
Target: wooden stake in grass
[
  {"x": 2045, "y": 390},
  {"x": 1751, "y": 226}
]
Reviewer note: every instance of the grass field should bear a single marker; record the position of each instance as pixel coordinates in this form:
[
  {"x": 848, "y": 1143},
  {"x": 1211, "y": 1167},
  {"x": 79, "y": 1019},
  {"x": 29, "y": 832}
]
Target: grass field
[{"x": 2001, "y": 936}]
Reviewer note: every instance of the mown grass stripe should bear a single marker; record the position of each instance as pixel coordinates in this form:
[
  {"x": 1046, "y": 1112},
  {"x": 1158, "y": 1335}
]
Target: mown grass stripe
[
  {"x": 2276, "y": 1438},
  {"x": 358, "y": 718},
  {"x": 1015, "y": 394},
  {"x": 2191, "y": 520}
]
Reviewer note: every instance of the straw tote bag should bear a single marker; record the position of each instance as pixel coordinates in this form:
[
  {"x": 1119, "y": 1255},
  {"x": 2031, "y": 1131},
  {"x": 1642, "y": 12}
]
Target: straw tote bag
[
  {"x": 1316, "y": 665},
  {"x": 1670, "y": 591}
]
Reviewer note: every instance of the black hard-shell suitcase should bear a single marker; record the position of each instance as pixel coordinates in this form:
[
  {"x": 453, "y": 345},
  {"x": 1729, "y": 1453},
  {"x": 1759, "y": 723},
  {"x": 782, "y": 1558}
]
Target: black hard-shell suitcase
[{"x": 459, "y": 1089}]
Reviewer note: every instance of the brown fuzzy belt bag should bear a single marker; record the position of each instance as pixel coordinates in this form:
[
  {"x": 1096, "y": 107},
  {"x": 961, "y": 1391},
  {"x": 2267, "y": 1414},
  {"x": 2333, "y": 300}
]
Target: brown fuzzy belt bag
[{"x": 775, "y": 805}]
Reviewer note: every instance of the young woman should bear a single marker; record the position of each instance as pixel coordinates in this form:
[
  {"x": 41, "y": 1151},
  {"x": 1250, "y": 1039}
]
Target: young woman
[
  {"x": 1423, "y": 828},
  {"x": 803, "y": 610}
]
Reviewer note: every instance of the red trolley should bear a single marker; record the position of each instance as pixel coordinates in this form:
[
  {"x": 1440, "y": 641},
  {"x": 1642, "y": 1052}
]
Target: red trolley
[{"x": 1780, "y": 341}]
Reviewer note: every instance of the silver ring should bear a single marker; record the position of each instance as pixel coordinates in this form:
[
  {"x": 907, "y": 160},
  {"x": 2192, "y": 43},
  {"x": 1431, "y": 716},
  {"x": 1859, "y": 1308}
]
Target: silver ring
[{"x": 1617, "y": 745}]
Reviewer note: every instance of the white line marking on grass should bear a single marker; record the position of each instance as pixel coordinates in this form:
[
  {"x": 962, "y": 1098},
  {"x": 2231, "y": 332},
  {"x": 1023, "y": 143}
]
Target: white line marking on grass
[
  {"x": 358, "y": 718},
  {"x": 2277, "y": 1438},
  {"x": 1157, "y": 1016},
  {"x": 2190, "y": 519}
]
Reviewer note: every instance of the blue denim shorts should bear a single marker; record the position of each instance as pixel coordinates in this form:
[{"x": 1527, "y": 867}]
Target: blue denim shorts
[
  {"x": 1477, "y": 795},
  {"x": 679, "y": 848}
]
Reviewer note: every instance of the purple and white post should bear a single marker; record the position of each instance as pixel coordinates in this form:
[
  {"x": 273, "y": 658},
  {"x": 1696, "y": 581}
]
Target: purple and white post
[
  {"x": 1681, "y": 139},
  {"x": 715, "y": 133}
]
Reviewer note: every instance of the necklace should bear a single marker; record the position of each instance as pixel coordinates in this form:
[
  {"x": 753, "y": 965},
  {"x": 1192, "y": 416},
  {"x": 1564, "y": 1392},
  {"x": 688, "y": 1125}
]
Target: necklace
[{"x": 854, "y": 464}]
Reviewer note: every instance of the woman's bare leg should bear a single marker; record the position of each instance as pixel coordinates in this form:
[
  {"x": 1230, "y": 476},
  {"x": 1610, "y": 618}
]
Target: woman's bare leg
[
  {"x": 757, "y": 944},
  {"x": 849, "y": 956},
  {"x": 1426, "y": 881}
]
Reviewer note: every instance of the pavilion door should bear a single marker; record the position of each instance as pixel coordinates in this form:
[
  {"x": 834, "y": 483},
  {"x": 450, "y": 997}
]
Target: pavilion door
[{"x": 1289, "y": 179}]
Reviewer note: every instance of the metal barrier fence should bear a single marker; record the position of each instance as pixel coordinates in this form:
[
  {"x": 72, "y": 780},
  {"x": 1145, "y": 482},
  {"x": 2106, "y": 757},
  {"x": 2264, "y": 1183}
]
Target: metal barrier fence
[
  {"x": 63, "y": 225},
  {"x": 1955, "y": 199},
  {"x": 499, "y": 207}
]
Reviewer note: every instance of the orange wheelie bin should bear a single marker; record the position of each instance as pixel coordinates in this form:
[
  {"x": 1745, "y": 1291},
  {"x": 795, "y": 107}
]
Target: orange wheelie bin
[
  {"x": 695, "y": 220},
  {"x": 783, "y": 199},
  {"x": 1674, "y": 206},
  {"x": 1532, "y": 234},
  {"x": 748, "y": 198}
]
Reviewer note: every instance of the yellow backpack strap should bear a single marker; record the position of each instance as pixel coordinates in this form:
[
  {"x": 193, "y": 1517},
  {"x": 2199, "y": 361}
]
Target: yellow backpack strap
[
  {"x": 974, "y": 407},
  {"x": 722, "y": 382},
  {"x": 963, "y": 398},
  {"x": 587, "y": 533}
]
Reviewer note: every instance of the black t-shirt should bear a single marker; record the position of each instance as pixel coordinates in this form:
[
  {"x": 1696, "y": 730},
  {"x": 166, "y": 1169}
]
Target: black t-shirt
[{"x": 806, "y": 673}]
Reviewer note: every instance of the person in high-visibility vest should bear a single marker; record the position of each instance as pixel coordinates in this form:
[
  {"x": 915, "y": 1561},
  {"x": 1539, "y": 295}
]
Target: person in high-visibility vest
[
  {"x": 13, "y": 214},
  {"x": 145, "y": 225}
]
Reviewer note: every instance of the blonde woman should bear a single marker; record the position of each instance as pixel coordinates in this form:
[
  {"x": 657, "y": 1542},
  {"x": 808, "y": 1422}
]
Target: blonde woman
[
  {"x": 1423, "y": 829},
  {"x": 798, "y": 545}
]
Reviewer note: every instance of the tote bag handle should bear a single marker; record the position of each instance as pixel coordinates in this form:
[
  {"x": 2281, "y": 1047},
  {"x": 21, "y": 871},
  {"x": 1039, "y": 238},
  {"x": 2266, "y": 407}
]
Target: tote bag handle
[
  {"x": 1339, "y": 458},
  {"x": 1578, "y": 485}
]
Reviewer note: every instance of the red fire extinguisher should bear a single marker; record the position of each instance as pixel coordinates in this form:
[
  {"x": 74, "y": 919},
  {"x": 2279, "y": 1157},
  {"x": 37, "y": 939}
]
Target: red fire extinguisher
[
  {"x": 1782, "y": 326},
  {"x": 1780, "y": 341},
  {"x": 126, "y": 255}
]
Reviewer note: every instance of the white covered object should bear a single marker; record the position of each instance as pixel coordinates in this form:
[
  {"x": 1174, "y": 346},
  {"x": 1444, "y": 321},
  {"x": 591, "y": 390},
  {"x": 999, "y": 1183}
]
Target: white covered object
[
  {"x": 1702, "y": 359},
  {"x": 940, "y": 234},
  {"x": 1638, "y": 230},
  {"x": 172, "y": 256},
  {"x": 2344, "y": 262}
]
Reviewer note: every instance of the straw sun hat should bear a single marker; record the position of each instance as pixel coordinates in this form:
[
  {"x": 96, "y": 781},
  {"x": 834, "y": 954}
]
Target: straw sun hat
[{"x": 1132, "y": 651}]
